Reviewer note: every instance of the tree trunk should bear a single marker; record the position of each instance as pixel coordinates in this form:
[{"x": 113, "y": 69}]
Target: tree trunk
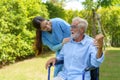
[{"x": 94, "y": 24}]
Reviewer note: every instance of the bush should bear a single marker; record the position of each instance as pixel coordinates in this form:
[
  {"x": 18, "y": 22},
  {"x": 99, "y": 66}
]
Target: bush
[{"x": 16, "y": 31}]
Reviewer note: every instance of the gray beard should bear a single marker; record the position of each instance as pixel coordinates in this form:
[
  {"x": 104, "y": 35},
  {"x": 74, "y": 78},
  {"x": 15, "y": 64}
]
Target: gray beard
[{"x": 75, "y": 36}]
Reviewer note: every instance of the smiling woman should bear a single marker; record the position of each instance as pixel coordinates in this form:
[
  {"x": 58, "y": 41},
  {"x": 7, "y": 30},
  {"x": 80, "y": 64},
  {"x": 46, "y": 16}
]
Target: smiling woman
[
  {"x": 53, "y": 33},
  {"x": 45, "y": 25}
]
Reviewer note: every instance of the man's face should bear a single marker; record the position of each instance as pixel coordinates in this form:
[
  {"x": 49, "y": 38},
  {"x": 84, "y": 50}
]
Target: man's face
[
  {"x": 75, "y": 30},
  {"x": 45, "y": 25}
]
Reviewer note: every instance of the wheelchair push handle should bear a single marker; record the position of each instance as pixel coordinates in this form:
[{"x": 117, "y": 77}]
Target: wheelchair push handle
[{"x": 57, "y": 63}]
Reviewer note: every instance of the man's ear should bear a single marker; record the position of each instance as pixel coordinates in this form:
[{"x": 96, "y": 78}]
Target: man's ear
[{"x": 82, "y": 29}]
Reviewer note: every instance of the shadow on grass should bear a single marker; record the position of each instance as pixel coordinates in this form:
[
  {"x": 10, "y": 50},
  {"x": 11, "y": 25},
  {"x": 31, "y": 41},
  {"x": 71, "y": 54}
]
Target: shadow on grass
[{"x": 45, "y": 54}]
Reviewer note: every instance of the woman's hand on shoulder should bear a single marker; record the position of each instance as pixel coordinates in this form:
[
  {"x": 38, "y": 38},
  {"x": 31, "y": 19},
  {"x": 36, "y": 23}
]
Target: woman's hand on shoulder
[{"x": 65, "y": 40}]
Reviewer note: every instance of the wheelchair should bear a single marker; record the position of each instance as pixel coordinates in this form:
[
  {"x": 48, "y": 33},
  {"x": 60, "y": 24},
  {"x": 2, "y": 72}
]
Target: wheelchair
[{"x": 94, "y": 72}]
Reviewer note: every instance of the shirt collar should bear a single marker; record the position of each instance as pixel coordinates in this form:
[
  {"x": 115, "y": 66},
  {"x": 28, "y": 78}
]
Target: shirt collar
[{"x": 82, "y": 41}]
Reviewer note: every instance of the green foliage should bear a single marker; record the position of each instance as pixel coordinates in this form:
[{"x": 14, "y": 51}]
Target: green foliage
[
  {"x": 55, "y": 11},
  {"x": 109, "y": 16},
  {"x": 16, "y": 31},
  {"x": 91, "y": 4},
  {"x": 13, "y": 47},
  {"x": 111, "y": 24},
  {"x": 69, "y": 14},
  {"x": 107, "y": 3}
]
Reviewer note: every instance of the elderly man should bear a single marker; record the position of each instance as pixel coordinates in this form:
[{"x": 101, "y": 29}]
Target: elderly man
[{"x": 79, "y": 53}]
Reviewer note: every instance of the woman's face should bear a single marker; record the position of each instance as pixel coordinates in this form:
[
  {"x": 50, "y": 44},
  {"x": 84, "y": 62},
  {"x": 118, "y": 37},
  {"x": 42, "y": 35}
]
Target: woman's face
[{"x": 45, "y": 25}]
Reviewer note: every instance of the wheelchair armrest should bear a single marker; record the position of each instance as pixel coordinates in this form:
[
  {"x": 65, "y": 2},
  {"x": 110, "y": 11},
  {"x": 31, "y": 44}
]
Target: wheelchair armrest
[{"x": 90, "y": 68}]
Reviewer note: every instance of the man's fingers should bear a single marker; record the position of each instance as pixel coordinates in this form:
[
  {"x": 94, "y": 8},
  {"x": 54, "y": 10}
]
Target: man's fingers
[
  {"x": 99, "y": 37},
  {"x": 47, "y": 65},
  {"x": 52, "y": 60},
  {"x": 53, "y": 64}
]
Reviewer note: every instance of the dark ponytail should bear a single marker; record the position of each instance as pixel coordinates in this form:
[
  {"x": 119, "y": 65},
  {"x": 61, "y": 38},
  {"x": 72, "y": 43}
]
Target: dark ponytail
[{"x": 38, "y": 40}]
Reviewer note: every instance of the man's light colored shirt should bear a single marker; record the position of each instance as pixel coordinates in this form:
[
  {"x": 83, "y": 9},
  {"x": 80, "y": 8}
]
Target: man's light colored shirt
[{"x": 77, "y": 56}]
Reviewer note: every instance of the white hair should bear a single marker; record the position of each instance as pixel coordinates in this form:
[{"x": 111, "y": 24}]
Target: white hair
[{"x": 82, "y": 22}]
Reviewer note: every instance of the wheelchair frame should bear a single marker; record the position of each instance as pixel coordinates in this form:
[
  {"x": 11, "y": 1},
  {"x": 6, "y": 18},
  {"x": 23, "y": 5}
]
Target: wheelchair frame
[{"x": 83, "y": 75}]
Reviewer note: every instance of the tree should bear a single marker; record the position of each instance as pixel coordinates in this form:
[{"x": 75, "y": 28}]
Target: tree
[
  {"x": 92, "y": 7},
  {"x": 54, "y": 10}
]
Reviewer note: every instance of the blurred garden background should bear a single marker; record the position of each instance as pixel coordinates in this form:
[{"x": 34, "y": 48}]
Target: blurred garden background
[{"x": 17, "y": 35}]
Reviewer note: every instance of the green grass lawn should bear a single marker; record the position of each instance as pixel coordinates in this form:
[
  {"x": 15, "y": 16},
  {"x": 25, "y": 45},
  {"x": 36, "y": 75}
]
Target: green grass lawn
[
  {"x": 30, "y": 69},
  {"x": 110, "y": 69},
  {"x": 34, "y": 69}
]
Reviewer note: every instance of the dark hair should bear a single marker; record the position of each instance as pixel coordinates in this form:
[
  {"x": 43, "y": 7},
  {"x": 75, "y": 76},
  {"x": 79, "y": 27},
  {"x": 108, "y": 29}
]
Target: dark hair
[
  {"x": 38, "y": 40},
  {"x": 36, "y": 21}
]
